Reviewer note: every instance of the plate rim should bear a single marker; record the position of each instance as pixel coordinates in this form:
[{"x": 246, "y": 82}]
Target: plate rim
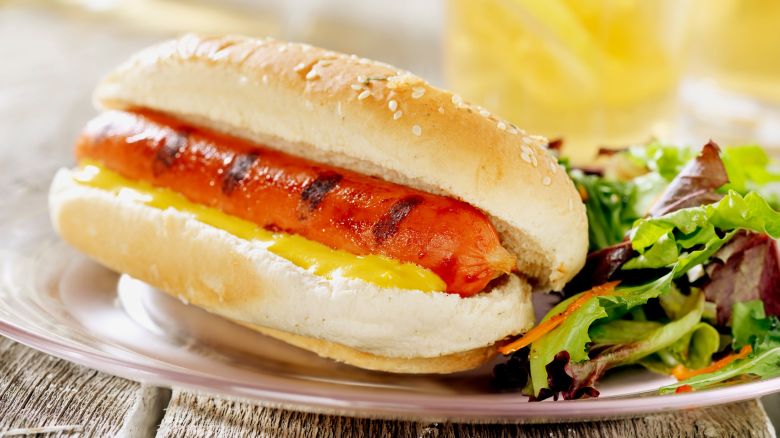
[{"x": 487, "y": 408}]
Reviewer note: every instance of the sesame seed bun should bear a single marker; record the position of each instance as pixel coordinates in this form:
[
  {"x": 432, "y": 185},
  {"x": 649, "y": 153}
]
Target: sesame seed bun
[
  {"x": 372, "y": 118},
  {"x": 348, "y": 112}
]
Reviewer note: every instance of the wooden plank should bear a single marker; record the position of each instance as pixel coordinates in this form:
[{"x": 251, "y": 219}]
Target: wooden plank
[
  {"x": 194, "y": 415},
  {"x": 41, "y": 391}
]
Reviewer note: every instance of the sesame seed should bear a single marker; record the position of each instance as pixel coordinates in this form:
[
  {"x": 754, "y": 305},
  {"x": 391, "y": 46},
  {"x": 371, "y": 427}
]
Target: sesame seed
[
  {"x": 441, "y": 109},
  {"x": 299, "y": 67},
  {"x": 362, "y": 79},
  {"x": 527, "y": 154},
  {"x": 418, "y": 92},
  {"x": 338, "y": 109},
  {"x": 364, "y": 94},
  {"x": 282, "y": 48},
  {"x": 312, "y": 74},
  {"x": 501, "y": 126},
  {"x": 265, "y": 79},
  {"x": 534, "y": 162},
  {"x": 397, "y": 115},
  {"x": 512, "y": 131},
  {"x": 356, "y": 87},
  {"x": 243, "y": 80},
  {"x": 546, "y": 181},
  {"x": 393, "y": 105},
  {"x": 457, "y": 100},
  {"x": 484, "y": 113},
  {"x": 364, "y": 61},
  {"x": 416, "y": 130},
  {"x": 554, "y": 167}
]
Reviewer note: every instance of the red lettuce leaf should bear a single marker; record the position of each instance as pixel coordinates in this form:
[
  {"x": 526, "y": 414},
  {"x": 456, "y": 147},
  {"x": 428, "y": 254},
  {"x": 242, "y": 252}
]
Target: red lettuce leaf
[
  {"x": 696, "y": 183},
  {"x": 747, "y": 268},
  {"x": 568, "y": 380},
  {"x": 601, "y": 267},
  {"x": 513, "y": 374}
]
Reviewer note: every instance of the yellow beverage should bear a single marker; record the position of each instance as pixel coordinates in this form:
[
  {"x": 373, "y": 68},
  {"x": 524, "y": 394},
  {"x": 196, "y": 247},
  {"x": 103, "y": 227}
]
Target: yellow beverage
[
  {"x": 595, "y": 72},
  {"x": 737, "y": 43}
]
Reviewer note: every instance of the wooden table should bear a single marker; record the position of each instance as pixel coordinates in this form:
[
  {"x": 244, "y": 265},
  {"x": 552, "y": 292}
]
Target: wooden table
[
  {"x": 37, "y": 390},
  {"x": 50, "y": 65}
]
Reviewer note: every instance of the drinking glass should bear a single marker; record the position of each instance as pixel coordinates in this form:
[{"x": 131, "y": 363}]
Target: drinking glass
[{"x": 593, "y": 72}]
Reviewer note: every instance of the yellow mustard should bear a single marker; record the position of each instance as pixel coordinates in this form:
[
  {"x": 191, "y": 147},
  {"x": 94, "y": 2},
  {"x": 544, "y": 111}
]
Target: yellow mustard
[{"x": 310, "y": 255}]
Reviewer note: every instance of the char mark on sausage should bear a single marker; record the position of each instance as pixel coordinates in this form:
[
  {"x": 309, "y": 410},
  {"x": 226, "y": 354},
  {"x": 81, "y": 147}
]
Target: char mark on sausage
[
  {"x": 239, "y": 169},
  {"x": 387, "y": 225},
  {"x": 314, "y": 193}
]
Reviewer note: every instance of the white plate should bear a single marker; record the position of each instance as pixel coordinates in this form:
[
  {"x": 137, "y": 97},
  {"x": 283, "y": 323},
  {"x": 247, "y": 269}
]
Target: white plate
[{"x": 58, "y": 301}]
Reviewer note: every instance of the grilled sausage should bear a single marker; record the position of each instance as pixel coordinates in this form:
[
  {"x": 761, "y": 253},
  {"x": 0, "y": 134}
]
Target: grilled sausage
[{"x": 280, "y": 192}]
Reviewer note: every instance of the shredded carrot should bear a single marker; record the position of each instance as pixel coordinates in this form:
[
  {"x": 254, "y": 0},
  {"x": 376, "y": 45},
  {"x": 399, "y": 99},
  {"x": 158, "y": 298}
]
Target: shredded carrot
[
  {"x": 684, "y": 388},
  {"x": 583, "y": 193},
  {"x": 553, "y": 322},
  {"x": 680, "y": 372}
]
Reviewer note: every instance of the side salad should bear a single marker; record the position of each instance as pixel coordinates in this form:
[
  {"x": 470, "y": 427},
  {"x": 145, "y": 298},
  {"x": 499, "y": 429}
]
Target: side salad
[{"x": 683, "y": 277}]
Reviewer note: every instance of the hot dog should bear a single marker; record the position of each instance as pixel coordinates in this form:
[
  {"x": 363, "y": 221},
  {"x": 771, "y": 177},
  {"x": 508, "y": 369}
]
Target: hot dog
[
  {"x": 338, "y": 204},
  {"x": 337, "y": 207}
]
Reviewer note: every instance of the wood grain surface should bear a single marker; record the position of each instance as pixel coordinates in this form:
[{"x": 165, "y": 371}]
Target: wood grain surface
[
  {"x": 40, "y": 391},
  {"x": 203, "y": 416}
]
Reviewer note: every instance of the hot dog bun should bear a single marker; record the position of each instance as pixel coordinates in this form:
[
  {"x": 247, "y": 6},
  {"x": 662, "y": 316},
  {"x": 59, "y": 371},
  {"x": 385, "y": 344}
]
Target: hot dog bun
[
  {"x": 352, "y": 113},
  {"x": 348, "y": 320},
  {"x": 372, "y": 118}
]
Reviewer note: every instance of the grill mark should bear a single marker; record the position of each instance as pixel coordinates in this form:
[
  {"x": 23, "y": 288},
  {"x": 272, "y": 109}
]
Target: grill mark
[
  {"x": 239, "y": 169},
  {"x": 315, "y": 192},
  {"x": 171, "y": 148},
  {"x": 387, "y": 225}
]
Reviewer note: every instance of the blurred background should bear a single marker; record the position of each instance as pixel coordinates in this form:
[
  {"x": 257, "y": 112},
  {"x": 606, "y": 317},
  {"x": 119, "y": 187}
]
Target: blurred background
[{"x": 592, "y": 72}]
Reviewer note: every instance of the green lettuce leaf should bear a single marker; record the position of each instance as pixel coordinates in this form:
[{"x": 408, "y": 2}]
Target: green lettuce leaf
[
  {"x": 697, "y": 233},
  {"x": 695, "y": 348},
  {"x": 577, "y": 379},
  {"x": 573, "y": 334},
  {"x": 749, "y": 166},
  {"x": 751, "y": 169},
  {"x": 748, "y": 322},
  {"x": 621, "y": 331},
  {"x": 665, "y": 160},
  {"x": 661, "y": 337},
  {"x": 611, "y": 207},
  {"x": 613, "y": 203},
  {"x": 750, "y": 326},
  {"x": 762, "y": 364},
  {"x": 690, "y": 236}
]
